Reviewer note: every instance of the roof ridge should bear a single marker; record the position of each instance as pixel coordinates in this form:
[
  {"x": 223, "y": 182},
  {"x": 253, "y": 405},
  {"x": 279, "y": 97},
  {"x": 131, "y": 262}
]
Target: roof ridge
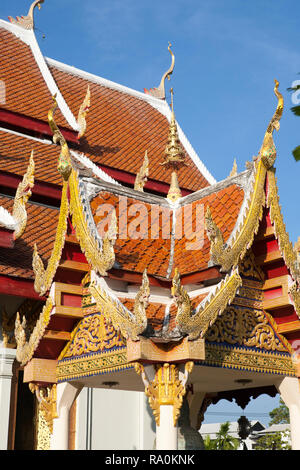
[
  {"x": 28, "y": 37},
  {"x": 160, "y": 105}
]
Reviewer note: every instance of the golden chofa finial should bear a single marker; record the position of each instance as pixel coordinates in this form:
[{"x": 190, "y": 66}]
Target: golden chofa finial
[
  {"x": 268, "y": 150},
  {"x": 27, "y": 21},
  {"x": 160, "y": 91}
]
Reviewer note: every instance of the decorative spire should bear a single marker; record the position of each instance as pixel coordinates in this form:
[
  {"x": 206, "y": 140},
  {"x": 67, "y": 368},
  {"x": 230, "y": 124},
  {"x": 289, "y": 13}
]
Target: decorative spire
[
  {"x": 83, "y": 110},
  {"x": 160, "y": 92},
  {"x": 64, "y": 163},
  {"x": 174, "y": 156},
  {"x": 142, "y": 174},
  {"x": 268, "y": 150},
  {"x": 27, "y": 22}
]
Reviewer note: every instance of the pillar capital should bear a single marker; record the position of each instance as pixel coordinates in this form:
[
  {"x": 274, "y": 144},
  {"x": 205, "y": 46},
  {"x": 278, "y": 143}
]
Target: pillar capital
[{"x": 166, "y": 387}]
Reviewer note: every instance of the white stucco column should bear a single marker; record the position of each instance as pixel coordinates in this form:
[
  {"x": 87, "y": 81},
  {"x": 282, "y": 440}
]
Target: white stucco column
[
  {"x": 289, "y": 390},
  {"x": 66, "y": 394},
  {"x": 166, "y": 432},
  {"x": 7, "y": 357}
]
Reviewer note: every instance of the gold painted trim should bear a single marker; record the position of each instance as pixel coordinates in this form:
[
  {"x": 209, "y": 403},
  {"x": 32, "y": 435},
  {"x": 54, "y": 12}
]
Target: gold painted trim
[
  {"x": 27, "y": 22},
  {"x": 228, "y": 256},
  {"x": 196, "y": 323},
  {"x": 26, "y": 349},
  {"x": 83, "y": 110},
  {"x": 242, "y": 359},
  {"x": 93, "y": 364},
  {"x": 44, "y": 277},
  {"x": 286, "y": 247},
  {"x": 130, "y": 325},
  {"x": 23, "y": 193},
  {"x": 100, "y": 258}
]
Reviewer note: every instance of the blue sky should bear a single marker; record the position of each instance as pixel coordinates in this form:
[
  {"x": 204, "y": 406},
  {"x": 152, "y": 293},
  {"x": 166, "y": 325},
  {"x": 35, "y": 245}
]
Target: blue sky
[{"x": 227, "y": 56}]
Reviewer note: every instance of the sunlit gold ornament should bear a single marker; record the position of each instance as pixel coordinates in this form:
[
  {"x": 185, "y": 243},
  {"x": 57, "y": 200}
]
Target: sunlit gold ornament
[
  {"x": 84, "y": 109},
  {"x": 23, "y": 193},
  {"x": 166, "y": 388},
  {"x": 64, "y": 162},
  {"x": 142, "y": 175},
  {"x": 268, "y": 150}
]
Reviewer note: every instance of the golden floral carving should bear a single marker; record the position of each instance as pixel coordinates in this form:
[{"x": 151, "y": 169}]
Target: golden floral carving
[
  {"x": 245, "y": 327},
  {"x": 142, "y": 174},
  {"x": 286, "y": 247},
  {"x": 196, "y": 323},
  {"x": 25, "y": 349},
  {"x": 166, "y": 388},
  {"x": 248, "y": 267},
  {"x": 94, "y": 333},
  {"x": 101, "y": 258},
  {"x": 44, "y": 277}
]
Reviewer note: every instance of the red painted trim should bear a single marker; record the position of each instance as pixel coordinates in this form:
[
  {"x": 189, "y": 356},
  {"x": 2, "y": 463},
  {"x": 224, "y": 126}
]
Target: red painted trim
[
  {"x": 9, "y": 180},
  {"x": 35, "y": 125},
  {"x": 152, "y": 185},
  {"x": 6, "y": 238},
  {"x": 18, "y": 287}
]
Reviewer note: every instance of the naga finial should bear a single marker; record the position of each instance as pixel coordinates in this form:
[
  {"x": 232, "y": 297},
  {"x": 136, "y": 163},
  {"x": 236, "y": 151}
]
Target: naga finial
[
  {"x": 23, "y": 193},
  {"x": 268, "y": 150},
  {"x": 83, "y": 110},
  {"x": 109, "y": 240},
  {"x": 174, "y": 154},
  {"x": 142, "y": 174},
  {"x": 214, "y": 235},
  {"x": 27, "y": 22},
  {"x": 181, "y": 298},
  {"x": 160, "y": 92},
  {"x": 141, "y": 302},
  {"x": 64, "y": 162}
]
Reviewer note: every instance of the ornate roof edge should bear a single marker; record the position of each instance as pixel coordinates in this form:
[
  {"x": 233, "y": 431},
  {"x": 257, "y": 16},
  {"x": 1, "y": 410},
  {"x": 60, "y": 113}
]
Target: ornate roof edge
[
  {"x": 28, "y": 37},
  {"x": 17, "y": 221},
  {"x": 98, "y": 252},
  {"x": 82, "y": 159},
  {"x": 196, "y": 323},
  {"x": 286, "y": 247},
  {"x": 158, "y": 104},
  {"x": 44, "y": 277},
  {"x": 26, "y": 349},
  {"x": 228, "y": 255},
  {"x": 129, "y": 324}
]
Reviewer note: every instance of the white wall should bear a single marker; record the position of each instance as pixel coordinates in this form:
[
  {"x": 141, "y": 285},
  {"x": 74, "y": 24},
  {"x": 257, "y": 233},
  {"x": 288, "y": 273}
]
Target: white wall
[{"x": 113, "y": 420}]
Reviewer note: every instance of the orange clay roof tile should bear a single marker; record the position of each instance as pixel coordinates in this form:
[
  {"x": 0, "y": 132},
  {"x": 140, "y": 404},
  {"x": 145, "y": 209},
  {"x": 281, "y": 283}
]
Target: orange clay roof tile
[
  {"x": 121, "y": 127},
  {"x": 40, "y": 229},
  {"x": 25, "y": 89}
]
